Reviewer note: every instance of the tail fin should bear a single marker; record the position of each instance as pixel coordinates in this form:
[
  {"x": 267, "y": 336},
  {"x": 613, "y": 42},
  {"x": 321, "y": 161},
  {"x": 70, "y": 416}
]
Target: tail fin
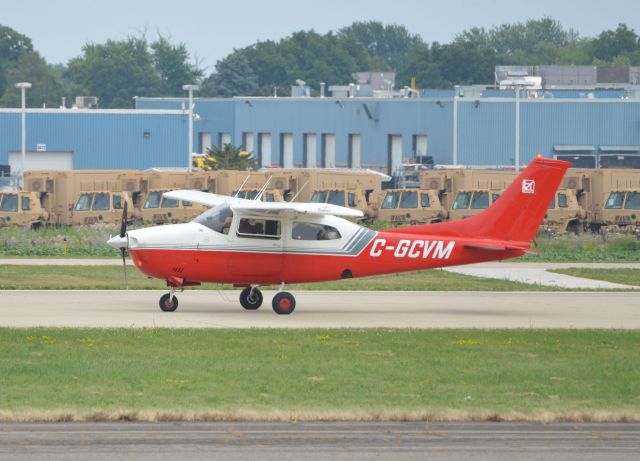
[{"x": 516, "y": 215}]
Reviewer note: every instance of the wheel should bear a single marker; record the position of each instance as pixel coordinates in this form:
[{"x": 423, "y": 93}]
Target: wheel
[
  {"x": 251, "y": 301},
  {"x": 284, "y": 303},
  {"x": 167, "y": 304}
]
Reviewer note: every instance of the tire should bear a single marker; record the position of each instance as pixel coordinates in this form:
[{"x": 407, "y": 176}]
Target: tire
[
  {"x": 283, "y": 303},
  {"x": 166, "y": 304},
  {"x": 253, "y": 302}
]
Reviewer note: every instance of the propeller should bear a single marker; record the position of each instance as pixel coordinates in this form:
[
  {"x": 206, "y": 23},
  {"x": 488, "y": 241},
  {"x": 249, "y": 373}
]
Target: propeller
[{"x": 123, "y": 234}]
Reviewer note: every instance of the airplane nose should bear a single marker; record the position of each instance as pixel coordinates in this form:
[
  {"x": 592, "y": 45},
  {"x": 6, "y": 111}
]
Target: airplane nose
[{"x": 118, "y": 242}]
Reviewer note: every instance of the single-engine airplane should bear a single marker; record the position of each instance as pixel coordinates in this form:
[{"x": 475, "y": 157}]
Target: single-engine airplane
[{"x": 250, "y": 243}]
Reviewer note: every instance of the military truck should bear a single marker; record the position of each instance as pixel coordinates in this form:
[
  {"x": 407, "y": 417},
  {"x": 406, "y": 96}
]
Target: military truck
[
  {"x": 402, "y": 207},
  {"x": 614, "y": 201},
  {"x": 22, "y": 208},
  {"x": 156, "y": 209},
  {"x": 85, "y": 196}
]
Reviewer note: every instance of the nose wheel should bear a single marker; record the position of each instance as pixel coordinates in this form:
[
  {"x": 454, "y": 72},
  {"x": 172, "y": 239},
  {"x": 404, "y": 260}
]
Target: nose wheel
[
  {"x": 283, "y": 303},
  {"x": 168, "y": 302}
]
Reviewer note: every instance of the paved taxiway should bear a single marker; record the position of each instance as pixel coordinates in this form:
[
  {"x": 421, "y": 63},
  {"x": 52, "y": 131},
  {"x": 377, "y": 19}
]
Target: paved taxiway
[
  {"x": 340, "y": 441},
  {"x": 324, "y": 309}
]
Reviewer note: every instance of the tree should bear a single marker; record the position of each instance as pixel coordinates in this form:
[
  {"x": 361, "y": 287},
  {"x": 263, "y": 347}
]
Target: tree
[
  {"x": 469, "y": 59},
  {"x": 171, "y": 62},
  {"x": 614, "y": 43},
  {"x": 234, "y": 77},
  {"x": 12, "y": 46},
  {"x": 228, "y": 157},
  {"x": 116, "y": 71},
  {"x": 392, "y": 43},
  {"x": 47, "y": 89}
]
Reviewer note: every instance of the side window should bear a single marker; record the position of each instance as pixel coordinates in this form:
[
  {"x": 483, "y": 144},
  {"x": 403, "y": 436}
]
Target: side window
[
  {"x": 615, "y": 200},
  {"x": 313, "y": 231},
  {"x": 117, "y": 202},
  {"x": 563, "y": 202},
  {"x": 494, "y": 196},
  {"x": 352, "y": 199},
  {"x": 83, "y": 203},
  {"x": 480, "y": 201},
  {"x": 26, "y": 204},
  {"x": 424, "y": 200},
  {"x": 259, "y": 228}
]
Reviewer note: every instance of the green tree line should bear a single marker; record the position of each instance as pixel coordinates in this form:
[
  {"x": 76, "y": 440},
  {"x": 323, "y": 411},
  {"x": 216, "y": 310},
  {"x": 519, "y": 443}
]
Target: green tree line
[{"x": 118, "y": 70}]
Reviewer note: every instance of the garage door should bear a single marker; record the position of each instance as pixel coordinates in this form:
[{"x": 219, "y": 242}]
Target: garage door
[{"x": 41, "y": 161}]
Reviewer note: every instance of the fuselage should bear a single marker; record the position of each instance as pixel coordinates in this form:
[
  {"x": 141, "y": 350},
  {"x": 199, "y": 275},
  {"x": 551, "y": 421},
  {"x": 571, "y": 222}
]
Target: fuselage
[{"x": 292, "y": 249}]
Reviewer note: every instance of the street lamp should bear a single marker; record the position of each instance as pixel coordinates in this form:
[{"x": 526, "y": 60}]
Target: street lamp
[
  {"x": 23, "y": 87},
  {"x": 190, "y": 89}
]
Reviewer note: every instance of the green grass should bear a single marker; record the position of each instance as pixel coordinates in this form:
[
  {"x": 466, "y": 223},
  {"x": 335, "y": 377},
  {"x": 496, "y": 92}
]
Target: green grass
[
  {"x": 313, "y": 374},
  {"x": 112, "y": 278},
  {"x": 624, "y": 276}
]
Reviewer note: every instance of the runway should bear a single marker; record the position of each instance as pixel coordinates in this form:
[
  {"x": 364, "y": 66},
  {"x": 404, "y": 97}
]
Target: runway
[
  {"x": 339, "y": 441},
  {"x": 324, "y": 309}
]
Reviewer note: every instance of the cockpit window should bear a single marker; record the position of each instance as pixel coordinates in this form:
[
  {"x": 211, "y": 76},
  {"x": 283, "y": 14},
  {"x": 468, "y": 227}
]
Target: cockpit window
[{"x": 217, "y": 218}]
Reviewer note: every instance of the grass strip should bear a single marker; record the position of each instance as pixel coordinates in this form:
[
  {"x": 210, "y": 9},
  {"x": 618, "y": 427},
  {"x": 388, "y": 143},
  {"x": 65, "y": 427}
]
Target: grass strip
[
  {"x": 624, "y": 276},
  {"x": 317, "y": 374},
  {"x": 112, "y": 278}
]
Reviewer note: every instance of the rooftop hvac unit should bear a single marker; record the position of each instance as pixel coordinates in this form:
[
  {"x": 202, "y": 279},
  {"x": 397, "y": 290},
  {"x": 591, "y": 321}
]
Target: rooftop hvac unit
[{"x": 87, "y": 102}]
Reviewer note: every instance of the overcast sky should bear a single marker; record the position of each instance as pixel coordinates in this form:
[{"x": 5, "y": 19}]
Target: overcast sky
[{"x": 212, "y": 29}]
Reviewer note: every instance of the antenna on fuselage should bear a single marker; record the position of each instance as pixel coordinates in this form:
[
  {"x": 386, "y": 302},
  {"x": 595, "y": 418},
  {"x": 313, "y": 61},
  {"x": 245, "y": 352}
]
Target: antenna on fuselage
[
  {"x": 241, "y": 186},
  {"x": 262, "y": 191}
]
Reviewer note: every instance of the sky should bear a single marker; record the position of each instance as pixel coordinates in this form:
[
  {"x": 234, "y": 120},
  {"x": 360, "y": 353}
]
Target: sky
[{"x": 212, "y": 29}]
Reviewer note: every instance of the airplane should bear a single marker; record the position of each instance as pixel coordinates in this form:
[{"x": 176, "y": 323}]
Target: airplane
[{"x": 250, "y": 243}]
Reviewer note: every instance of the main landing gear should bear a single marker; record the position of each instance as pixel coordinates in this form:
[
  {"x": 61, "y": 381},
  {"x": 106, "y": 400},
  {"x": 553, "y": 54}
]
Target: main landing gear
[
  {"x": 283, "y": 302},
  {"x": 250, "y": 298}
]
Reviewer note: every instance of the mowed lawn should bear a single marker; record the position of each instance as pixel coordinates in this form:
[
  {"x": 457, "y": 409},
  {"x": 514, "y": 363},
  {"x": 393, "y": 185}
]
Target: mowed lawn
[
  {"x": 112, "y": 278},
  {"x": 313, "y": 374}
]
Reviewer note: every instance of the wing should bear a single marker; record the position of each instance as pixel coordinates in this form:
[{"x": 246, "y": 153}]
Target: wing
[
  {"x": 202, "y": 198},
  {"x": 254, "y": 206}
]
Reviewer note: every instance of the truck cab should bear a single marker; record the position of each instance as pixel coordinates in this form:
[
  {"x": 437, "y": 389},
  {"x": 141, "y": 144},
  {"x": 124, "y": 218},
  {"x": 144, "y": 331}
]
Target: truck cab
[
  {"x": 158, "y": 209},
  {"x": 403, "y": 207},
  {"x": 22, "y": 208},
  {"x": 101, "y": 207}
]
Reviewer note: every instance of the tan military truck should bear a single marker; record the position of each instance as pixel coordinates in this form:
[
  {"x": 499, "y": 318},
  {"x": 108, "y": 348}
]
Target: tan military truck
[
  {"x": 86, "y": 196},
  {"x": 403, "y": 207},
  {"x": 614, "y": 201},
  {"x": 156, "y": 209},
  {"x": 22, "y": 208}
]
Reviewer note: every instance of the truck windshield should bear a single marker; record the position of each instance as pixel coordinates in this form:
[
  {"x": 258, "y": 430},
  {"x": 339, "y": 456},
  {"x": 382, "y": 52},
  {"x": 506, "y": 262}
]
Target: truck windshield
[
  {"x": 462, "y": 201},
  {"x": 336, "y": 197},
  {"x": 153, "y": 200},
  {"x": 83, "y": 203},
  {"x": 390, "y": 200},
  {"x": 318, "y": 197},
  {"x": 615, "y": 200},
  {"x": 169, "y": 203},
  {"x": 101, "y": 201},
  {"x": 9, "y": 202},
  {"x": 480, "y": 200},
  {"x": 633, "y": 201},
  {"x": 409, "y": 199}
]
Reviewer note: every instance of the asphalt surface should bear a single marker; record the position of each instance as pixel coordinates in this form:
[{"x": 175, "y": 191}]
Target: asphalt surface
[
  {"x": 324, "y": 309},
  {"x": 339, "y": 441}
]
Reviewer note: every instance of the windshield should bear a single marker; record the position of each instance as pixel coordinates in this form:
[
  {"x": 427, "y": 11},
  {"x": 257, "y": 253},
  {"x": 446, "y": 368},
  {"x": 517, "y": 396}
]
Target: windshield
[
  {"x": 153, "y": 200},
  {"x": 318, "y": 197},
  {"x": 615, "y": 200},
  {"x": 390, "y": 200},
  {"x": 480, "y": 200},
  {"x": 9, "y": 202},
  {"x": 217, "y": 218},
  {"x": 336, "y": 197},
  {"x": 83, "y": 203},
  {"x": 633, "y": 201},
  {"x": 101, "y": 201},
  {"x": 462, "y": 201},
  {"x": 169, "y": 203},
  {"x": 409, "y": 199}
]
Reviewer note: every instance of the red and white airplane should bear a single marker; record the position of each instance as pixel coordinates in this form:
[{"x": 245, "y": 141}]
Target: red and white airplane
[{"x": 250, "y": 243}]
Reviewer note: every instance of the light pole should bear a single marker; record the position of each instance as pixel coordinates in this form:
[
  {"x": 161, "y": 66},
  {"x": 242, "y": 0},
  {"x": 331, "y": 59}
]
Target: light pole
[
  {"x": 190, "y": 89},
  {"x": 517, "y": 89},
  {"x": 23, "y": 87}
]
